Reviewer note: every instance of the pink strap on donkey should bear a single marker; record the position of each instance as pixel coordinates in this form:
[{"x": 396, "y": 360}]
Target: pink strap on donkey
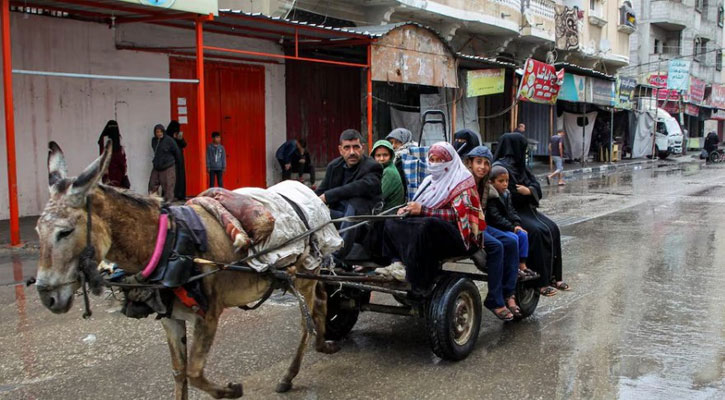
[{"x": 159, "y": 249}]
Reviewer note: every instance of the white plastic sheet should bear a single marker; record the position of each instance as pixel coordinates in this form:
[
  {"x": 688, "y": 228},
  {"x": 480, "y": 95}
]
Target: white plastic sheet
[
  {"x": 288, "y": 225},
  {"x": 642, "y": 138},
  {"x": 576, "y": 145}
]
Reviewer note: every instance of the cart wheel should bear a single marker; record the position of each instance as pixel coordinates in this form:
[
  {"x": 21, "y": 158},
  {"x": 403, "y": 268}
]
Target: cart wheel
[
  {"x": 343, "y": 308},
  {"x": 527, "y": 298},
  {"x": 454, "y": 318},
  {"x": 715, "y": 157}
]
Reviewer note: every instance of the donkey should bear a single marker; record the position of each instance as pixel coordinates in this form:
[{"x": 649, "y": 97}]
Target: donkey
[{"x": 123, "y": 230}]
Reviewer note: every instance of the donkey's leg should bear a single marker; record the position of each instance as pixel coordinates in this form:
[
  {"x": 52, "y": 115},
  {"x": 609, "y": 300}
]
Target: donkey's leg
[
  {"x": 307, "y": 289},
  {"x": 285, "y": 384},
  {"x": 176, "y": 336},
  {"x": 319, "y": 315},
  {"x": 204, "y": 331}
]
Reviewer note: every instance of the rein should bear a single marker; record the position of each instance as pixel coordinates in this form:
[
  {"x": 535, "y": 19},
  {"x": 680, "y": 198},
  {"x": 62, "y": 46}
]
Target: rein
[{"x": 85, "y": 261}]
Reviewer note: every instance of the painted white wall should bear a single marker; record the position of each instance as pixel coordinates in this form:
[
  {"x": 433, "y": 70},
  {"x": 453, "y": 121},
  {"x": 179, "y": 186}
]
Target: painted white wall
[{"x": 73, "y": 111}]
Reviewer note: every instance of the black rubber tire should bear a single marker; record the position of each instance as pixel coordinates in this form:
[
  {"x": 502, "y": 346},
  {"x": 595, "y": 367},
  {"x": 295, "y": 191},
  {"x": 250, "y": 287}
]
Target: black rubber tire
[
  {"x": 454, "y": 297},
  {"x": 527, "y": 298},
  {"x": 714, "y": 157},
  {"x": 340, "y": 320}
]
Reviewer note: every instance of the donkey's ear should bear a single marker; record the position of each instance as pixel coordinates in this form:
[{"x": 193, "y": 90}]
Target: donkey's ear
[
  {"x": 57, "y": 169},
  {"x": 90, "y": 177}
]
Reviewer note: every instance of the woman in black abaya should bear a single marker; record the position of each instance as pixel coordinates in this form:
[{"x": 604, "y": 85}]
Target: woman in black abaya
[
  {"x": 174, "y": 130},
  {"x": 465, "y": 141},
  {"x": 544, "y": 236}
]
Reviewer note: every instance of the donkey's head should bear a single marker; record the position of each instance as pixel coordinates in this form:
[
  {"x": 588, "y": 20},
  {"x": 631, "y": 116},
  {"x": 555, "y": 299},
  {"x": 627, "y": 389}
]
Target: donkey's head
[{"x": 62, "y": 229}]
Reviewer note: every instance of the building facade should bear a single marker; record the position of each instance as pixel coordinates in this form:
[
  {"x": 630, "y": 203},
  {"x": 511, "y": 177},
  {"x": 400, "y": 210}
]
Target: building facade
[{"x": 687, "y": 30}]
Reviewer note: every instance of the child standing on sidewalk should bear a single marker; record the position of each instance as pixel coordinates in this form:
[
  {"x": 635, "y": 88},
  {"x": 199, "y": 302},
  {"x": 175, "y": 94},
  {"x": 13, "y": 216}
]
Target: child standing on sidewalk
[
  {"x": 216, "y": 160},
  {"x": 500, "y": 214}
]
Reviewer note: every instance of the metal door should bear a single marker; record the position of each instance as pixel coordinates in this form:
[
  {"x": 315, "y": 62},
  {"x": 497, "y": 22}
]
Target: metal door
[{"x": 234, "y": 104}]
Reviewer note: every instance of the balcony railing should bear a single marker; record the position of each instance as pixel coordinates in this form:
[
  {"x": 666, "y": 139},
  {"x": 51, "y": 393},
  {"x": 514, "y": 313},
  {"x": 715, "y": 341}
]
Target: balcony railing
[
  {"x": 538, "y": 19},
  {"x": 516, "y": 4}
]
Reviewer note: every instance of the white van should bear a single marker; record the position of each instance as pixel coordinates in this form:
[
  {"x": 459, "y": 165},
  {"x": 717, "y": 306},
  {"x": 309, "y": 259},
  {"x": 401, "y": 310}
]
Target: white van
[{"x": 668, "y": 135}]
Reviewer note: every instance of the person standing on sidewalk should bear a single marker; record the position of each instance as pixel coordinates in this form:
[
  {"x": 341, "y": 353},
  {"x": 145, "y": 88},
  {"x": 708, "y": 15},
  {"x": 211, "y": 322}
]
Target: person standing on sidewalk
[
  {"x": 117, "y": 170},
  {"x": 556, "y": 157},
  {"x": 166, "y": 155},
  {"x": 216, "y": 160},
  {"x": 174, "y": 130}
]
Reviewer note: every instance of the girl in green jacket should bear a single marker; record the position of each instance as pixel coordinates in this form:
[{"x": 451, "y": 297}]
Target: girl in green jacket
[{"x": 392, "y": 184}]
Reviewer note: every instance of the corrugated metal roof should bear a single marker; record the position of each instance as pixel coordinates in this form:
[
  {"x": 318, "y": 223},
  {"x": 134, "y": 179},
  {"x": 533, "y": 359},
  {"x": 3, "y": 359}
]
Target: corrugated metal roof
[
  {"x": 378, "y": 31},
  {"x": 583, "y": 71},
  {"x": 477, "y": 61},
  {"x": 287, "y": 26}
]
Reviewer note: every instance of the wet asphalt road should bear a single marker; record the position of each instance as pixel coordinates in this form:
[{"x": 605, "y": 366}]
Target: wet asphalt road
[{"x": 643, "y": 252}]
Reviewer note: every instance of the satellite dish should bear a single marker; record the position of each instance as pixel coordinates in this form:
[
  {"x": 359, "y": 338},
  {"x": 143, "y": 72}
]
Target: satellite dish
[{"x": 550, "y": 57}]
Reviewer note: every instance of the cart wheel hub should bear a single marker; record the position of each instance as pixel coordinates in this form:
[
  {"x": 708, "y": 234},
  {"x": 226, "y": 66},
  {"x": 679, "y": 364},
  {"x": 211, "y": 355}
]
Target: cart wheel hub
[{"x": 463, "y": 317}]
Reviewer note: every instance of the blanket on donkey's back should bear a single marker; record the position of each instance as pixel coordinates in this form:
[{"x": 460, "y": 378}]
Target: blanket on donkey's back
[
  {"x": 256, "y": 220},
  {"x": 232, "y": 226},
  {"x": 288, "y": 224},
  {"x": 245, "y": 220}
]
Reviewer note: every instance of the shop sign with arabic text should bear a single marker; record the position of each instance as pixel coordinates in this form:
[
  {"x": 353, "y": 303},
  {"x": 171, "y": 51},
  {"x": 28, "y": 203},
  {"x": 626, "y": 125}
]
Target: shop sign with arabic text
[{"x": 540, "y": 82}]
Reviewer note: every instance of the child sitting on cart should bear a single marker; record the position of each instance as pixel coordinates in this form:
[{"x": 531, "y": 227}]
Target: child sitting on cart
[{"x": 500, "y": 214}]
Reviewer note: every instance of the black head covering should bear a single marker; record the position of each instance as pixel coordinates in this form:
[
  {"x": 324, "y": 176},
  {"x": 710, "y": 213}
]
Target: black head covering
[
  {"x": 511, "y": 153},
  {"x": 173, "y": 128},
  {"x": 111, "y": 131},
  {"x": 158, "y": 126},
  {"x": 471, "y": 141}
]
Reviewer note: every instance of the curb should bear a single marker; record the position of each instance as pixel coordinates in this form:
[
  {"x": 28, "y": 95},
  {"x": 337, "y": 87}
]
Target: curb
[{"x": 602, "y": 169}]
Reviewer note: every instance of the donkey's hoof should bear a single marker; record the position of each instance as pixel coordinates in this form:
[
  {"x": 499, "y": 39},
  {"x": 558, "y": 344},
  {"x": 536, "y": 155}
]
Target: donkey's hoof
[
  {"x": 329, "y": 347},
  {"x": 235, "y": 390},
  {"x": 283, "y": 387}
]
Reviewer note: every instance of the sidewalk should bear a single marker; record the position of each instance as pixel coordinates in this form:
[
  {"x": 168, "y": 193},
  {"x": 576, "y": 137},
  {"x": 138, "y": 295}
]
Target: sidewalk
[{"x": 575, "y": 170}]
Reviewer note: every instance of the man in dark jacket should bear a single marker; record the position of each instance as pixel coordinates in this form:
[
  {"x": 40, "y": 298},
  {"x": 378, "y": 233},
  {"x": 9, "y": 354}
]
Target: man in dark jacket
[
  {"x": 351, "y": 185},
  {"x": 166, "y": 155},
  {"x": 292, "y": 155}
]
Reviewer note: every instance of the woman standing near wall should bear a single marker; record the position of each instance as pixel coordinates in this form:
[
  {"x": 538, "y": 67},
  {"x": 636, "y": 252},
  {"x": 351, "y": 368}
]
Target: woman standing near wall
[
  {"x": 117, "y": 169},
  {"x": 174, "y": 130}
]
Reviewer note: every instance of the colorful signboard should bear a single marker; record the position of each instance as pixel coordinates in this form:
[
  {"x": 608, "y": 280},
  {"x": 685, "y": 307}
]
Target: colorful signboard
[
  {"x": 672, "y": 107},
  {"x": 678, "y": 75},
  {"x": 717, "y": 96},
  {"x": 696, "y": 94},
  {"x": 691, "y": 109},
  {"x": 204, "y": 7},
  {"x": 625, "y": 91},
  {"x": 482, "y": 82},
  {"x": 540, "y": 82},
  {"x": 574, "y": 88},
  {"x": 718, "y": 114},
  {"x": 601, "y": 92},
  {"x": 659, "y": 81}
]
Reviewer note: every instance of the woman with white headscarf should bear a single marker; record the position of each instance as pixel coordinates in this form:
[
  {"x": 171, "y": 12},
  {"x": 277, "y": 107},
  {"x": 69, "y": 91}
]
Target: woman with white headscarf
[{"x": 448, "y": 221}]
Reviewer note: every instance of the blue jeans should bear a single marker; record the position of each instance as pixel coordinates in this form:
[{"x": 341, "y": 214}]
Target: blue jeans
[
  {"x": 502, "y": 260},
  {"x": 522, "y": 242},
  {"x": 558, "y": 163}
]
